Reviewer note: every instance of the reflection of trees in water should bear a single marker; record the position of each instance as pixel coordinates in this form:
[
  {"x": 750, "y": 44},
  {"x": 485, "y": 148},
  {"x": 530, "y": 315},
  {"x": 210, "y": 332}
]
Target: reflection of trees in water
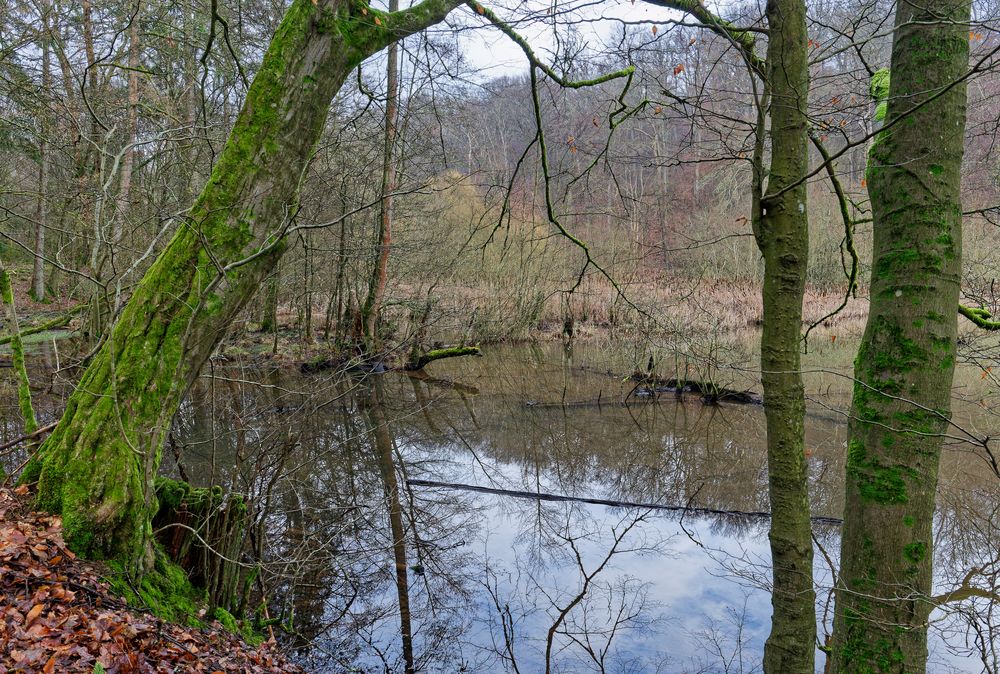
[
  {"x": 321, "y": 459},
  {"x": 967, "y": 567},
  {"x": 560, "y": 604}
]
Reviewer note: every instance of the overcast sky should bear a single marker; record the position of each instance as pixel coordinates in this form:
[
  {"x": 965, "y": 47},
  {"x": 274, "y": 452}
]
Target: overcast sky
[{"x": 494, "y": 54}]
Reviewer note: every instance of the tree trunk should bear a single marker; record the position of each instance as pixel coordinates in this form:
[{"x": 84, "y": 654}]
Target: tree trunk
[
  {"x": 269, "y": 321},
  {"x": 906, "y": 361},
  {"x": 17, "y": 354},
  {"x": 307, "y": 288},
  {"x": 97, "y": 467},
  {"x": 42, "y": 209},
  {"x": 383, "y": 446},
  {"x": 132, "y": 128},
  {"x": 376, "y": 289},
  {"x": 783, "y": 238}
]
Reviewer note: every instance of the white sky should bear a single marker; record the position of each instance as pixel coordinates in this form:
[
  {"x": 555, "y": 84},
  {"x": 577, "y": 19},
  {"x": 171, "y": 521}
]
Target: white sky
[{"x": 494, "y": 54}]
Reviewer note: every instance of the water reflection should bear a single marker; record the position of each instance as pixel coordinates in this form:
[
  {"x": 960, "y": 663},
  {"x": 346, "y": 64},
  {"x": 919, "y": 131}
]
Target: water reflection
[{"x": 374, "y": 568}]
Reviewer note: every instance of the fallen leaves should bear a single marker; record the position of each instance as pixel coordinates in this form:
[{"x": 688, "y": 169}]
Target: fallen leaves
[{"x": 57, "y": 615}]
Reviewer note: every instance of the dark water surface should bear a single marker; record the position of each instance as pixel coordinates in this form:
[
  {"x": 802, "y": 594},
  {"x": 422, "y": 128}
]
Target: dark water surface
[{"x": 378, "y": 555}]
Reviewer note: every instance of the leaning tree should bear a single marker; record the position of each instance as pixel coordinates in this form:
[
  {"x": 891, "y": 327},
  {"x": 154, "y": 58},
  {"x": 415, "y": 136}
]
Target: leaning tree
[{"x": 97, "y": 467}]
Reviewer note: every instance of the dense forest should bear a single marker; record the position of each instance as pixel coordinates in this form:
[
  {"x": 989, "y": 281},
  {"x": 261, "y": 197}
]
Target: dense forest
[{"x": 402, "y": 337}]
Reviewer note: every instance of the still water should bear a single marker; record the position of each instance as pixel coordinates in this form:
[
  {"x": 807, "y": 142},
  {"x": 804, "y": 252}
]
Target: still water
[{"x": 449, "y": 523}]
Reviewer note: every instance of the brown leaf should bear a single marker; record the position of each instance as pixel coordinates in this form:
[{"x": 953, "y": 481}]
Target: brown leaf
[{"x": 33, "y": 613}]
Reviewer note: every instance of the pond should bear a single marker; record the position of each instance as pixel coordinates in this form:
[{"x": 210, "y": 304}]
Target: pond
[{"x": 513, "y": 513}]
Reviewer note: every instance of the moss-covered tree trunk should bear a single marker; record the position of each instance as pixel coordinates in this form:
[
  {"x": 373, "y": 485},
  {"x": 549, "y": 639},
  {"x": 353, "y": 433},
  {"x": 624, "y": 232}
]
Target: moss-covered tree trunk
[
  {"x": 783, "y": 238},
  {"x": 97, "y": 467},
  {"x": 906, "y": 361},
  {"x": 17, "y": 354}
]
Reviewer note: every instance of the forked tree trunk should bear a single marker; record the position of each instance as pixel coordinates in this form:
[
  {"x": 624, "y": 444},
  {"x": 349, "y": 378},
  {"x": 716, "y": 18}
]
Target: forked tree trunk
[
  {"x": 906, "y": 361},
  {"x": 97, "y": 467},
  {"x": 783, "y": 238}
]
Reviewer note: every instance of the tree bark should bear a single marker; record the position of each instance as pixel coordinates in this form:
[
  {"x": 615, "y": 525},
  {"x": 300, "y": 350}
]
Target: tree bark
[
  {"x": 42, "y": 209},
  {"x": 132, "y": 128},
  {"x": 906, "y": 361},
  {"x": 17, "y": 352},
  {"x": 97, "y": 467},
  {"x": 783, "y": 238},
  {"x": 269, "y": 319},
  {"x": 376, "y": 290}
]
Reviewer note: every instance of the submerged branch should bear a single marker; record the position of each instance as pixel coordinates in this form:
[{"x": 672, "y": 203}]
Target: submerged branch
[{"x": 542, "y": 496}]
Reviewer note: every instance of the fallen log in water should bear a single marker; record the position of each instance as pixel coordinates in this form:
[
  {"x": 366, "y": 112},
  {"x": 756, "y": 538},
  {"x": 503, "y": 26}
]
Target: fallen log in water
[
  {"x": 710, "y": 392},
  {"x": 60, "y": 321},
  {"x": 420, "y": 361}
]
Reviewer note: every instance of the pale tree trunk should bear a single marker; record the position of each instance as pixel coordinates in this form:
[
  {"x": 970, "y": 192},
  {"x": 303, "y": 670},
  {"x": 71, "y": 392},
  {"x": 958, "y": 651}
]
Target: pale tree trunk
[
  {"x": 42, "y": 209},
  {"x": 132, "y": 128},
  {"x": 783, "y": 238},
  {"x": 906, "y": 361},
  {"x": 376, "y": 290},
  {"x": 97, "y": 467}
]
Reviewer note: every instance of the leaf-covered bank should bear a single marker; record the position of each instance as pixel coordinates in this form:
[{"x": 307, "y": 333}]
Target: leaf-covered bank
[{"x": 57, "y": 614}]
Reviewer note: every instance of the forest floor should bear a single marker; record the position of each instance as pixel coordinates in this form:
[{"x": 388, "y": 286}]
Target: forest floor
[{"x": 57, "y": 614}]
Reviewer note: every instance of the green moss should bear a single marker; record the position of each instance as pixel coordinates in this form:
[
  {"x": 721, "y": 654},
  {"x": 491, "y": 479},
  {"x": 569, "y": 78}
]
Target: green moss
[
  {"x": 876, "y": 481},
  {"x": 170, "y": 494},
  {"x": 915, "y": 551},
  {"x": 165, "y": 591},
  {"x": 226, "y": 619},
  {"x": 897, "y": 353},
  {"x": 925, "y": 422},
  {"x": 878, "y": 87},
  {"x": 243, "y": 628}
]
